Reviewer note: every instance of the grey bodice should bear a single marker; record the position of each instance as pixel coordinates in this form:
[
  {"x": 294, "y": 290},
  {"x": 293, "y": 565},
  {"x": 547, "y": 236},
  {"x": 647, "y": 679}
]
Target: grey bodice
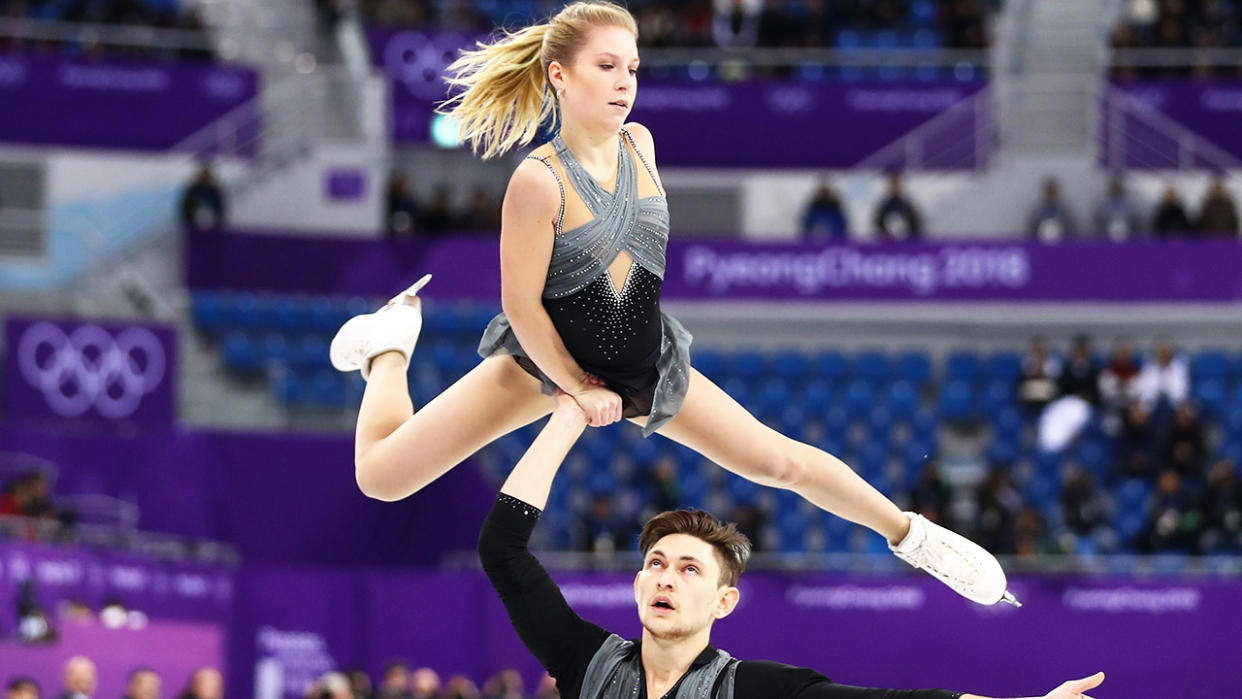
[
  {"x": 621, "y": 221},
  {"x": 615, "y": 672}
]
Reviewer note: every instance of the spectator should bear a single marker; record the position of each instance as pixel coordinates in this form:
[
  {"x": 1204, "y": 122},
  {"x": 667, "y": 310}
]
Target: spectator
[
  {"x": 1051, "y": 220},
  {"x": 401, "y": 211},
  {"x": 1037, "y": 382},
  {"x": 1164, "y": 381},
  {"x": 666, "y": 493},
  {"x": 205, "y": 683},
  {"x": 1218, "y": 215},
  {"x": 736, "y": 23},
  {"x": 22, "y": 688},
  {"x": 1082, "y": 506},
  {"x": 203, "y": 206},
  {"x": 547, "y": 688},
  {"x": 1117, "y": 378},
  {"x": 1175, "y": 518},
  {"x": 332, "y": 685},
  {"x": 1136, "y": 446},
  {"x": 1170, "y": 218},
  {"x": 1184, "y": 449},
  {"x": 824, "y": 218},
  {"x": 506, "y": 684},
  {"x": 483, "y": 213},
  {"x": 143, "y": 683},
  {"x": 81, "y": 678},
  {"x": 896, "y": 218},
  {"x": 605, "y": 533},
  {"x": 930, "y": 495},
  {"x": 360, "y": 684},
  {"x": 1078, "y": 390},
  {"x": 460, "y": 687},
  {"x": 1117, "y": 217},
  {"x": 396, "y": 683},
  {"x": 998, "y": 507},
  {"x": 1222, "y": 510},
  {"x": 439, "y": 216},
  {"x": 1031, "y": 534},
  {"x": 425, "y": 683}
]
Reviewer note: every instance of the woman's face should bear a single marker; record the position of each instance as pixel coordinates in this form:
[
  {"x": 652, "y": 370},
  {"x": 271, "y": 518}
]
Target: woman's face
[{"x": 600, "y": 86}]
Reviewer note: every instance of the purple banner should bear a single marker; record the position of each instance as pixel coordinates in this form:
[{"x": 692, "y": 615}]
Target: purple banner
[
  {"x": 803, "y": 124},
  {"x": 1198, "y": 271},
  {"x": 174, "y": 650},
  {"x": 900, "y": 631},
  {"x": 114, "y": 105},
  {"x": 95, "y": 371},
  {"x": 1135, "y": 133}
]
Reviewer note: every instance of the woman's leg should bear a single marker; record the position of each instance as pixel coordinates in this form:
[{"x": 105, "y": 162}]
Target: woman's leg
[
  {"x": 716, "y": 426},
  {"x": 398, "y": 451}
]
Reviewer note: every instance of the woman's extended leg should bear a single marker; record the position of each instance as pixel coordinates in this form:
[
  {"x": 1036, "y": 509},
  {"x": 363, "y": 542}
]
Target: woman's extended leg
[
  {"x": 398, "y": 451},
  {"x": 716, "y": 426}
]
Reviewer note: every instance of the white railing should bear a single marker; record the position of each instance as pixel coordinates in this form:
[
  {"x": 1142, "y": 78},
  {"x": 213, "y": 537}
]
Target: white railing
[
  {"x": 1162, "y": 144},
  {"x": 960, "y": 138}
]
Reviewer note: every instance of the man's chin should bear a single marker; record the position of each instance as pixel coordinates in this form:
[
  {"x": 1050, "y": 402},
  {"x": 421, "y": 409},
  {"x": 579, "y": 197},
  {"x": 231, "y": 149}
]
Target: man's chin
[{"x": 666, "y": 632}]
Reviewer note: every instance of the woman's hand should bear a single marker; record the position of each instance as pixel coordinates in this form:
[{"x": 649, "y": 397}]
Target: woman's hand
[
  {"x": 601, "y": 406},
  {"x": 1075, "y": 689}
]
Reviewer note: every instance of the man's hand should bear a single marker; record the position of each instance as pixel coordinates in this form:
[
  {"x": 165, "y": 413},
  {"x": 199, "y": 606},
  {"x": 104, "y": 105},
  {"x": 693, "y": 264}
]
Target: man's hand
[
  {"x": 1074, "y": 689},
  {"x": 567, "y": 409}
]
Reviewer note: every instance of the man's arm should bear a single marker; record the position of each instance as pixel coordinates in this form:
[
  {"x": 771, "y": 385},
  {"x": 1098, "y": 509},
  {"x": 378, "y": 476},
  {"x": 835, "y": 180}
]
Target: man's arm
[
  {"x": 562, "y": 641},
  {"x": 776, "y": 680}
]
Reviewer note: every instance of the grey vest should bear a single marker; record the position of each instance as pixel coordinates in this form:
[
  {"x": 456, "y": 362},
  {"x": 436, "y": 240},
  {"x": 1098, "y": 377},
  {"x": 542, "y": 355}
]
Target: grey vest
[{"x": 616, "y": 672}]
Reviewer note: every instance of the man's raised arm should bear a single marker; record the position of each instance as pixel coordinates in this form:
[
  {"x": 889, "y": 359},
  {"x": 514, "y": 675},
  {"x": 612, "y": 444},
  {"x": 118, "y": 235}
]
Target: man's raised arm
[{"x": 562, "y": 641}]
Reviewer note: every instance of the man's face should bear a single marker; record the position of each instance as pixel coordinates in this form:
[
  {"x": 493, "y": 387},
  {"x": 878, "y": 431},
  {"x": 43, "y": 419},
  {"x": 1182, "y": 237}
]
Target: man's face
[
  {"x": 678, "y": 591},
  {"x": 145, "y": 685},
  {"x": 23, "y": 691}
]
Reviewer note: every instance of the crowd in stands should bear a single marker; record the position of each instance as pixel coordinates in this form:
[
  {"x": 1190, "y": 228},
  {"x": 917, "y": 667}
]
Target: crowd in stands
[
  {"x": 89, "y": 44},
  {"x": 1119, "y": 216},
  {"x": 405, "y": 215},
  {"x": 735, "y": 23},
  {"x": 400, "y": 682},
  {"x": 1178, "y": 24},
  {"x": 81, "y": 679}
]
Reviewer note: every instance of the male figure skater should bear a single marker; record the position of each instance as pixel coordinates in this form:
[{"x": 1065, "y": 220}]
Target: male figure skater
[{"x": 691, "y": 565}]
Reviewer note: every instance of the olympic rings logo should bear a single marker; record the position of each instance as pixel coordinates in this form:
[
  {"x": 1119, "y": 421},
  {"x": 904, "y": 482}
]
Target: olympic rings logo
[{"x": 89, "y": 367}]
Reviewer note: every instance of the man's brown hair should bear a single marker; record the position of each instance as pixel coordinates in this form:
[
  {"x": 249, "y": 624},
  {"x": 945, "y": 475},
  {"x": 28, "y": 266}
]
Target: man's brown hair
[{"x": 732, "y": 547}]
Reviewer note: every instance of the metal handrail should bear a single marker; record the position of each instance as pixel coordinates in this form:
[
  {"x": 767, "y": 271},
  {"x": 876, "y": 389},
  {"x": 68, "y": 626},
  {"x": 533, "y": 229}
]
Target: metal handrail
[
  {"x": 1191, "y": 148},
  {"x": 912, "y": 150},
  {"x": 162, "y": 546}
]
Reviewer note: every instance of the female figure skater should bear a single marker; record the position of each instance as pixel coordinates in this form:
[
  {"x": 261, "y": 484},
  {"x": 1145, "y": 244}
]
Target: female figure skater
[{"x": 584, "y": 225}]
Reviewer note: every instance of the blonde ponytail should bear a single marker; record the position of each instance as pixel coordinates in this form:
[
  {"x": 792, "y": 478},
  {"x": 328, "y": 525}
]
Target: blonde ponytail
[{"x": 505, "y": 93}]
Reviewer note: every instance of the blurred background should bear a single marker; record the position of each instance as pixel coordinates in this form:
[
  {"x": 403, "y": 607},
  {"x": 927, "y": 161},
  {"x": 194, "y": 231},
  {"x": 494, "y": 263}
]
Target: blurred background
[{"x": 985, "y": 251}]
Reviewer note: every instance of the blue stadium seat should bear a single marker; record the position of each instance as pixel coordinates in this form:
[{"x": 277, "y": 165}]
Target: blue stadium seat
[
  {"x": 816, "y": 398},
  {"x": 871, "y": 458},
  {"x": 290, "y": 315},
  {"x": 1132, "y": 495},
  {"x": 837, "y": 424},
  {"x": 328, "y": 389},
  {"x": 709, "y": 363},
  {"x": 914, "y": 366},
  {"x": 644, "y": 452},
  {"x": 914, "y": 457},
  {"x": 1041, "y": 491},
  {"x": 241, "y": 355},
  {"x": 926, "y": 39},
  {"x": 997, "y": 396},
  {"x": 879, "y": 423},
  {"x": 748, "y": 365},
  {"x": 275, "y": 349},
  {"x": 792, "y": 422},
  {"x": 322, "y": 314},
  {"x": 924, "y": 425},
  {"x": 1003, "y": 366},
  {"x": 774, "y": 398},
  {"x": 736, "y": 388},
  {"x": 310, "y": 353},
  {"x": 1008, "y": 423},
  {"x": 1210, "y": 395},
  {"x": 1210, "y": 365},
  {"x": 871, "y": 366},
  {"x": 923, "y": 13},
  {"x": 790, "y": 366},
  {"x": 289, "y": 390},
  {"x": 962, "y": 365},
  {"x": 243, "y": 312},
  {"x": 208, "y": 311},
  {"x": 829, "y": 366},
  {"x": 1002, "y": 452},
  {"x": 792, "y": 526},
  {"x": 957, "y": 401},
  {"x": 902, "y": 399},
  {"x": 859, "y": 398},
  {"x": 742, "y": 491}
]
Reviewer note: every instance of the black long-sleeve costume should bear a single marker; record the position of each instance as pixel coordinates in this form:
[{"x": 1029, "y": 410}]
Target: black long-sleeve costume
[{"x": 565, "y": 642}]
